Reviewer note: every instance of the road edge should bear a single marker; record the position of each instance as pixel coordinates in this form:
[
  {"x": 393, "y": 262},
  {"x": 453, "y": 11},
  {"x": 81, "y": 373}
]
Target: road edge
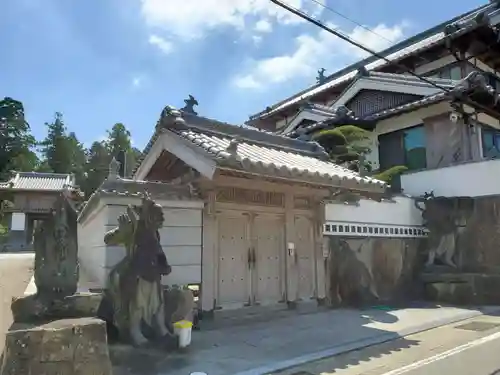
[{"x": 360, "y": 344}]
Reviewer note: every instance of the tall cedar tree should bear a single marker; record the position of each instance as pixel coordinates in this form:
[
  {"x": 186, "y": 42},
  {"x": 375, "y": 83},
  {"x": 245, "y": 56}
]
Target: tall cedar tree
[
  {"x": 16, "y": 141},
  {"x": 62, "y": 152},
  {"x": 119, "y": 139}
]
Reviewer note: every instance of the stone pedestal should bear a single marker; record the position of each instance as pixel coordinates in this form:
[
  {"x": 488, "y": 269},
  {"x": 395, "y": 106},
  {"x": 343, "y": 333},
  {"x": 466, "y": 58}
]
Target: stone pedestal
[
  {"x": 459, "y": 288},
  {"x": 32, "y": 308},
  {"x": 62, "y": 347}
]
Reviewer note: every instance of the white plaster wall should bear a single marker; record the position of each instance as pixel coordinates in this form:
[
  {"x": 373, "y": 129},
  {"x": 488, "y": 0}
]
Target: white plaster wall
[
  {"x": 474, "y": 179},
  {"x": 181, "y": 239},
  {"x": 400, "y": 211},
  {"x": 91, "y": 249}
]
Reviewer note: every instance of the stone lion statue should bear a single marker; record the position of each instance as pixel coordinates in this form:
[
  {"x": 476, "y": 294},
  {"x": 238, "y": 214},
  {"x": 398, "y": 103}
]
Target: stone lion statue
[
  {"x": 135, "y": 289},
  {"x": 439, "y": 218}
]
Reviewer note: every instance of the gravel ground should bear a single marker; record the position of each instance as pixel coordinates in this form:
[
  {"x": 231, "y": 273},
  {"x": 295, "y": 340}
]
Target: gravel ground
[{"x": 15, "y": 273}]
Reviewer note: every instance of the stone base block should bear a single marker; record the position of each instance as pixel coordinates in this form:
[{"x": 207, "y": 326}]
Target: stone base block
[
  {"x": 463, "y": 288},
  {"x": 62, "y": 347},
  {"x": 31, "y": 308}
]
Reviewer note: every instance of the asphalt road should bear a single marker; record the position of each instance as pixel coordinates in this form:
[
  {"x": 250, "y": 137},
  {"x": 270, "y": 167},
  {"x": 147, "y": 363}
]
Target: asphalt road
[
  {"x": 470, "y": 347},
  {"x": 479, "y": 357},
  {"x": 15, "y": 274}
]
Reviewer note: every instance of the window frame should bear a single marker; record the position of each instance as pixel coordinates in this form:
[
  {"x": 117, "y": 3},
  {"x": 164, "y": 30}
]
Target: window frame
[{"x": 495, "y": 134}]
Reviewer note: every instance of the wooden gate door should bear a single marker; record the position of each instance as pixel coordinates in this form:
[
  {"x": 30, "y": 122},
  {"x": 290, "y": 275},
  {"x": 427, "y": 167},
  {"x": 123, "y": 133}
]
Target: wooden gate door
[
  {"x": 268, "y": 233},
  {"x": 233, "y": 266},
  {"x": 304, "y": 248}
]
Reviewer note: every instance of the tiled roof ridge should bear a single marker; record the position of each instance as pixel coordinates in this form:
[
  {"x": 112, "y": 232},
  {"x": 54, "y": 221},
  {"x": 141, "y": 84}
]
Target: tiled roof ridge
[
  {"x": 44, "y": 174},
  {"x": 280, "y": 142},
  {"x": 465, "y": 17},
  {"x": 412, "y": 79},
  {"x": 248, "y": 134}
]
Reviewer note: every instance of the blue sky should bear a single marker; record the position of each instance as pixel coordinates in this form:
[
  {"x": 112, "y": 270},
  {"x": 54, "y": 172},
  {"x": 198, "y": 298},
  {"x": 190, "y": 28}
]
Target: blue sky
[{"x": 105, "y": 61}]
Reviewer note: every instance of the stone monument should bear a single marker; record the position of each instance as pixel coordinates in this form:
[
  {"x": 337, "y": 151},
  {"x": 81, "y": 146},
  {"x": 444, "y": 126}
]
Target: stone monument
[{"x": 54, "y": 331}]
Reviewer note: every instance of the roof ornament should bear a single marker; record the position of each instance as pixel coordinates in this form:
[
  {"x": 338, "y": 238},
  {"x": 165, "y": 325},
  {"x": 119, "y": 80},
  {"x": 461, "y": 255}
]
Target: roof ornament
[
  {"x": 114, "y": 169},
  {"x": 362, "y": 72},
  {"x": 451, "y": 28},
  {"x": 233, "y": 146},
  {"x": 472, "y": 81},
  {"x": 171, "y": 118},
  {"x": 481, "y": 18},
  {"x": 321, "y": 78},
  {"x": 342, "y": 111},
  {"x": 190, "y": 103}
]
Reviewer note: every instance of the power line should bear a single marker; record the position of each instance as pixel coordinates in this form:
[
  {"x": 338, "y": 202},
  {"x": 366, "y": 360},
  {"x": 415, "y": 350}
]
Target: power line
[
  {"x": 350, "y": 20},
  {"x": 349, "y": 40}
]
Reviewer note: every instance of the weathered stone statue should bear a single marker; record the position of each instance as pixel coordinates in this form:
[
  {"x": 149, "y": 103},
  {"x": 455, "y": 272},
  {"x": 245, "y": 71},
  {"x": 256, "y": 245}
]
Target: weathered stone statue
[
  {"x": 134, "y": 288},
  {"x": 439, "y": 219},
  {"x": 56, "y": 251}
]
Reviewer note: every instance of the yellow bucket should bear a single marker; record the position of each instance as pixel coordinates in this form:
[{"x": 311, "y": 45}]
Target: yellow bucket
[
  {"x": 183, "y": 330},
  {"x": 183, "y": 324}
]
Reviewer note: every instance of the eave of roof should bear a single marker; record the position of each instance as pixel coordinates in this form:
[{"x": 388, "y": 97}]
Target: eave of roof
[
  {"x": 121, "y": 187},
  {"x": 472, "y": 84},
  {"x": 413, "y": 45},
  {"x": 39, "y": 182}
]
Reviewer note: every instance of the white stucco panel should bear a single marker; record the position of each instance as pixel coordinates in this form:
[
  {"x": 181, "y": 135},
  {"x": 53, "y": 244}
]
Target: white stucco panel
[
  {"x": 400, "y": 211},
  {"x": 474, "y": 179}
]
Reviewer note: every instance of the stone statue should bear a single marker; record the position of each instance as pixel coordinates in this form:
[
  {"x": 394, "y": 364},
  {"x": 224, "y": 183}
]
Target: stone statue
[
  {"x": 135, "y": 289},
  {"x": 190, "y": 103},
  {"x": 56, "y": 251},
  {"x": 439, "y": 218},
  {"x": 321, "y": 76}
]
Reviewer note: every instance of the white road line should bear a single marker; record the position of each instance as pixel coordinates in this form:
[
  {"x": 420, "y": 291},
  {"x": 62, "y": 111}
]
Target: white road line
[{"x": 444, "y": 355}]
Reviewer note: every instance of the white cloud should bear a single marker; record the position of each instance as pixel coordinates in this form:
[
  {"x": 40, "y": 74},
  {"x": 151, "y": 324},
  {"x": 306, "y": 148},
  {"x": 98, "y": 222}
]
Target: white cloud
[
  {"x": 257, "y": 39},
  {"x": 313, "y": 52},
  {"x": 190, "y": 19},
  {"x": 263, "y": 26},
  {"x": 164, "y": 45}
]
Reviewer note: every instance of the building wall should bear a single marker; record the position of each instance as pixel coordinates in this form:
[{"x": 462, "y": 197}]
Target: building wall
[
  {"x": 476, "y": 179},
  {"x": 181, "y": 239},
  {"x": 374, "y": 250},
  {"x": 91, "y": 249},
  {"x": 367, "y": 102},
  {"x": 363, "y": 271}
]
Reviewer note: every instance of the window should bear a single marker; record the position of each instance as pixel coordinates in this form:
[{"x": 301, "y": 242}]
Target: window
[
  {"x": 403, "y": 147},
  {"x": 456, "y": 72},
  {"x": 491, "y": 142},
  {"x": 448, "y": 72},
  {"x": 414, "y": 148}
]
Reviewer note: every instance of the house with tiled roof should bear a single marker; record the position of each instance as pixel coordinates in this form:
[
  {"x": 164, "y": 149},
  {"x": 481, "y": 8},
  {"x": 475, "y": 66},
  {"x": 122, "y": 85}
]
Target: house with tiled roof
[
  {"x": 32, "y": 196},
  {"x": 243, "y": 211},
  {"x": 441, "y": 124}
]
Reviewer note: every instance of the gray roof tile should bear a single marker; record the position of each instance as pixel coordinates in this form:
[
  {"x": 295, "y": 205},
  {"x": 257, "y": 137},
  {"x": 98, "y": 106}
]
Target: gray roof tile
[
  {"x": 404, "y": 49},
  {"x": 250, "y": 150},
  {"x": 39, "y": 181},
  {"x": 271, "y": 161}
]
